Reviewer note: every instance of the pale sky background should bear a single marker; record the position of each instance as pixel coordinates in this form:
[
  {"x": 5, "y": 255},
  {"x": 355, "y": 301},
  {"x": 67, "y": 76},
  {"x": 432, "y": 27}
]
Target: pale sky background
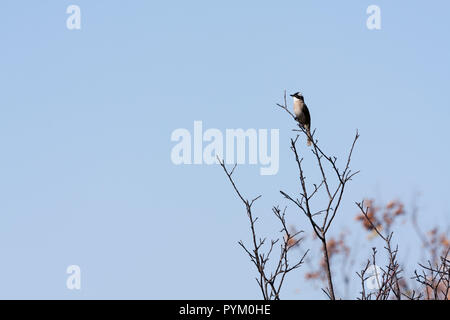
[{"x": 86, "y": 118}]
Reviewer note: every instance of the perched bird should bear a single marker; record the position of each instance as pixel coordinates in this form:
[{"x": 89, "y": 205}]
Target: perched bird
[{"x": 302, "y": 114}]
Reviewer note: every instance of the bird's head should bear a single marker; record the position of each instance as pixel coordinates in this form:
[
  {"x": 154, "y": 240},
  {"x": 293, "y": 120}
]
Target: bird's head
[{"x": 297, "y": 95}]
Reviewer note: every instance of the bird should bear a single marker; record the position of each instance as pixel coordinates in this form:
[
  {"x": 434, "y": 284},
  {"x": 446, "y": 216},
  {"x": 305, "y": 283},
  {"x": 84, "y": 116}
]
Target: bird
[{"x": 302, "y": 114}]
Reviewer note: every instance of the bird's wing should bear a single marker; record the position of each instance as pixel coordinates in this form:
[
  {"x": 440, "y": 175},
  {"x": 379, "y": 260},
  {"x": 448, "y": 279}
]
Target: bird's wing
[{"x": 307, "y": 116}]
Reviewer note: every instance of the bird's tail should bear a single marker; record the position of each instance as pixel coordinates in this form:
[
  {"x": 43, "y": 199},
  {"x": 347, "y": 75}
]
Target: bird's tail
[{"x": 309, "y": 142}]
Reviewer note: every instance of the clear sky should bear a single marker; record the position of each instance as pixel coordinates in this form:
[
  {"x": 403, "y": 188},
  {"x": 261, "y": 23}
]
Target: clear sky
[{"x": 86, "y": 117}]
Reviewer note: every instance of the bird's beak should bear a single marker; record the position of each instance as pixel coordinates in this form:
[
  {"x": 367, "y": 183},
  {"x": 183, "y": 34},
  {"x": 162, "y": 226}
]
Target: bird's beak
[{"x": 292, "y": 95}]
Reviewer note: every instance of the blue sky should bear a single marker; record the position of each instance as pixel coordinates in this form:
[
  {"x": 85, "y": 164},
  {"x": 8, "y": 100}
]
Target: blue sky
[{"x": 86, "y": 118}]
